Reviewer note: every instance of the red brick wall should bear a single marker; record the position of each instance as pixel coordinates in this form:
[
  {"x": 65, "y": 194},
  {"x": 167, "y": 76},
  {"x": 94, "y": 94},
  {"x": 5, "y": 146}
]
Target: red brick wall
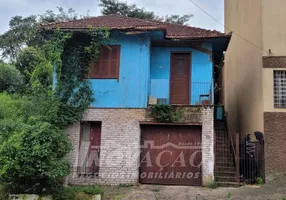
[{"x": 275, "y": 142}]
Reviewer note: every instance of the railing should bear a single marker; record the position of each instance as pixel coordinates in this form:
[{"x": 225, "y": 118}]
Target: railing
[
  {"x": 237, "y": 160},
  {"x": 201, "y": 93},
  {"x": 252, "y": 160}
]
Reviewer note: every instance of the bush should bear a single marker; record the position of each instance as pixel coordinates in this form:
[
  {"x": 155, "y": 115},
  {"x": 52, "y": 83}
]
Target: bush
[
  {"x": 165, "y": 113},
  {"x": 31, "y": 160},
  {"x": 77, "y": 192}
]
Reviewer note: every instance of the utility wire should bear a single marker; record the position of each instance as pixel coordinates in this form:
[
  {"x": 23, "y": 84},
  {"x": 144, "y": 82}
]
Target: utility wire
[{"x": 227, "y": 27}]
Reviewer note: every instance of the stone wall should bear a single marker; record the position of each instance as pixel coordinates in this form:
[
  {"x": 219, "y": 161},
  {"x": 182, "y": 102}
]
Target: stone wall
[{"x": 120, "y": 146}]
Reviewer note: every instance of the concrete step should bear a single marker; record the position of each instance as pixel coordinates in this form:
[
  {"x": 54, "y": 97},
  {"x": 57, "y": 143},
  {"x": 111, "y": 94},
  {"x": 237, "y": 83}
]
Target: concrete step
[
  {"x": 224, "y": 169},
  {"x": 223, "y": 146},
  {"x": 223, "y": 150},
  {"x": 225, "y": 179},
  {"x": 226, "y": 160},
  {"x": 227, "y": 184},
  {"x": 224, "y": 164},
  {"x": 225, "y": 174}
]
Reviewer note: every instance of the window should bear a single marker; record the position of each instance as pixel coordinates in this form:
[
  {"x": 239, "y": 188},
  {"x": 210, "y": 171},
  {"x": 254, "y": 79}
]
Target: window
[
  {"x": 280, "y": 89},
  {"x": 89, "y": 148},
  {"x": 108, "y": 63}
]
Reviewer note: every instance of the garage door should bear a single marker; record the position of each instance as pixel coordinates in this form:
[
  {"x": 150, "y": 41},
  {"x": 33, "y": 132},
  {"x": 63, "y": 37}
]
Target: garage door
[{"x": 170, "y": 155}]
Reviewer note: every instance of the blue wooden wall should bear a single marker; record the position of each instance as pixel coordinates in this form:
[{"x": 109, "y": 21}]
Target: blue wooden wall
[
  {"x": 146, "y": 71},
  {"x": 201, "y": 72},
  {"x": 131, "y": 90}
]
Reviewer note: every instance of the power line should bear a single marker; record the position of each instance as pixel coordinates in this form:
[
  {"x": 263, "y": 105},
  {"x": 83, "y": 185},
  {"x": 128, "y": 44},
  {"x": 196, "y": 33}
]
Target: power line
[{"x": 227, "y": 27}]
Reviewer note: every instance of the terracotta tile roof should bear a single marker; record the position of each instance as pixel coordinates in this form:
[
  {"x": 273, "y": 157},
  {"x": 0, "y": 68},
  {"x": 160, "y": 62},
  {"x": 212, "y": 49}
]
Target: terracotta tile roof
[{"x": 118, "y": 22}]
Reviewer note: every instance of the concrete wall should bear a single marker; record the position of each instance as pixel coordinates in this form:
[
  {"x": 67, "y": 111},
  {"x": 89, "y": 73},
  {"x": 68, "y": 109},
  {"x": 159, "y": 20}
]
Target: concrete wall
[
  {"x": 243, "y": 66},
  {"x": 120, "y": 146},
  {"x": 131, "y": 90},
  {"x": 201, "y": 72},
  {"x": 273, "y": 27}
]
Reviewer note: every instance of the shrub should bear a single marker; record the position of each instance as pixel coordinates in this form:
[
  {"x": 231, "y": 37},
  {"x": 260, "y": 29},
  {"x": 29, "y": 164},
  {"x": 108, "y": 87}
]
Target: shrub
[
  {"x": 77, "y": 192},
  {"x": 165, "y": 113},
  {"x": 32, "y": 159}
]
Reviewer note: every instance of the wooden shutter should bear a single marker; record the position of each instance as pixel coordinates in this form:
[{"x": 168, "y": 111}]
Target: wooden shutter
[{"x": 108, "y": 63}]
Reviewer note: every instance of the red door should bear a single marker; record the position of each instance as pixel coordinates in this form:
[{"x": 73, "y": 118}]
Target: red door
[{"x": 180, "y": 78}]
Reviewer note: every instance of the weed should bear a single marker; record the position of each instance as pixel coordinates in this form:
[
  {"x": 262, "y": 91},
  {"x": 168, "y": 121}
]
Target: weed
[
  {"x": 259, "y": 181},
  {"x": 212, "y": 185},
  {"x": 229, "y": 195},
  {"x": 125, "y": 185},
  {"x": 155, "y": 190}
]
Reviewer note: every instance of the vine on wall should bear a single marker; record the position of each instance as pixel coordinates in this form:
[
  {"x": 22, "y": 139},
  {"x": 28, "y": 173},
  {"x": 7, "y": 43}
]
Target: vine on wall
[{"x": 73, "y": 54}]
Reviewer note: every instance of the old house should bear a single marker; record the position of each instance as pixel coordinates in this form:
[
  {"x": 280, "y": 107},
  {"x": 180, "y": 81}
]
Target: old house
[
  {"x": 148, "y": 63},
  {"x": 255, "y": 75}
]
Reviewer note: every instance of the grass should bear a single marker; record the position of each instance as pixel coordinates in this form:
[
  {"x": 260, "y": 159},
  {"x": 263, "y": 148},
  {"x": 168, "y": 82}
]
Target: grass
[{"x": 155, "y": 190}]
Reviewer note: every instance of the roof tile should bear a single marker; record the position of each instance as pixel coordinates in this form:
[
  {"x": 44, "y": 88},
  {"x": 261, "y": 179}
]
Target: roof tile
[{"x": 118, "y": 22}]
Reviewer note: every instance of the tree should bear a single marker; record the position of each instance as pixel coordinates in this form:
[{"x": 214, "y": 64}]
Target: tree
[
  {"x": 177, "y": 19},
  {"x": 27, "y": 60},
  {"x": 23, "y": 31},
  {"x": 62, "y": 15},
  {"x": 122, "y": 8},
  {"x": 10, "y": 78}
]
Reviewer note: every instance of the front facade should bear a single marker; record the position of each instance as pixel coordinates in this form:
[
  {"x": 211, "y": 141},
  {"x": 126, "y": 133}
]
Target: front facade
[
  {"x": 118, "y": 142},
  {"x": 254, "y": 75}
]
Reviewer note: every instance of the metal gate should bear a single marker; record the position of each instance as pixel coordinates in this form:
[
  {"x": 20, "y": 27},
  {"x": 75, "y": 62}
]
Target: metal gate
[{"x": 171, "y": 155}]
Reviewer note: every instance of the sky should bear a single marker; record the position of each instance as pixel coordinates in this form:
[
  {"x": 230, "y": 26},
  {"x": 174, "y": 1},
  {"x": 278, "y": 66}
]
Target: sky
[{"x": 10, "y": 8}]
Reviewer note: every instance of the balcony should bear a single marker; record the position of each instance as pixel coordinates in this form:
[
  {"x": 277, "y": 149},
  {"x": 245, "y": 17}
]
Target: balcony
[{"x": 201, "y": 94}]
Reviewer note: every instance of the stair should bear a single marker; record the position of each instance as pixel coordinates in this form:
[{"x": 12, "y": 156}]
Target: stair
[{"x": 225, "y": 171}]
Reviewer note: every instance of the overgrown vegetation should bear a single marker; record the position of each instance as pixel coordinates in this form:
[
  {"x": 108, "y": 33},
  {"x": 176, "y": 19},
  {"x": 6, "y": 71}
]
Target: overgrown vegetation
[
  {"x": 32, "y": 121},
  {"x": 165, "y": 113},
  {"x": 77, "y": 193}
]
